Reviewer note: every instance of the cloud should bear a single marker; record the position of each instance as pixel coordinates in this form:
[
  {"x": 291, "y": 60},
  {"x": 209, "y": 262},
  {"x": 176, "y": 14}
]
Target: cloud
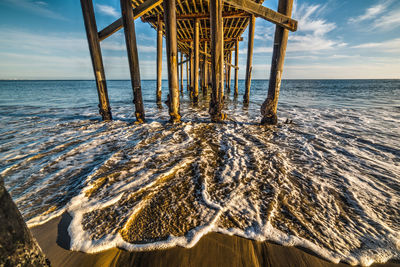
[
  {"x": 388, "y": 21},
  {"x": 312, "y": 30},
  {"x": 41, "y": 44},
  {"x": 371, "y": 12},
  {"x": 108, "y": 10},
  {"x": 384, "y": 16},
  {"x": 389, "y": 46},
  {"x": 354, "y": 70},
  {"x": 37, "y": 7}
]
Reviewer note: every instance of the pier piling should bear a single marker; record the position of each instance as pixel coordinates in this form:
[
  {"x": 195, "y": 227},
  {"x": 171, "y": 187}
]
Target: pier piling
[
  {"x": 217, "y": 61},
  {"x": 97, "y": 59},
  {"x": 196, "y": 60},
  {"x": 269, "y": 107},
  {"x": 181, "y": 73},
  {"x": 236, "y": 93},
  {"x": 133, "y": 58},
  {"x": 172, "y": 59},
  {"x": 249, "y": 66},
  {"x": 205, "y": 70},
  {"x": 159, "y": 59}
]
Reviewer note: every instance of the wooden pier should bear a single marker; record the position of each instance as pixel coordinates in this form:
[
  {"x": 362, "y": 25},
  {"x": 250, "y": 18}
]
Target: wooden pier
[{"x": 205, "y": 33}]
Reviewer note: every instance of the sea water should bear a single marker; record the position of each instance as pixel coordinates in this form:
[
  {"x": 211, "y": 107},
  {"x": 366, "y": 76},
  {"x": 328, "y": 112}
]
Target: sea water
[{"x": 326, "y": 178}]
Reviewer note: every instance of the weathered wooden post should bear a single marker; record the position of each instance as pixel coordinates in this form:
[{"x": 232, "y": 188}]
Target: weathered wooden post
[
  {"x": 249, "y": 66},
  {"x": 191, "y": 68},
  {"x": 217, "y": 60},
  {"x": 187, "y": 72},
  {"x": 228, "y": 78},
  {"x": 181, "y": 72},
  {"x": 133, "y": 59},
  {"x": 236, "y": 93},
  {"x": 172, "y": 59},
  {"x": 159, "y": 59},
  {"x": 269, "y": 107},
  {"x": 196, "y": 60},
  {"x": 205, "y": 70},
  {"x": 97, "y": 60}
]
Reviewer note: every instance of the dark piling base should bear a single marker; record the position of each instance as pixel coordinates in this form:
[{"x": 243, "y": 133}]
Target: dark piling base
[
  {"x": 269, "y": 120},
  {"x": 17, "y": 245}
]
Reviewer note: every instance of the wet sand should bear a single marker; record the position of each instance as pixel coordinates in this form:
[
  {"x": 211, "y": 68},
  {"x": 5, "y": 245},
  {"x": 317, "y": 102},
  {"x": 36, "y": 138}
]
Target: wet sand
[{"x": 213, "y": 249}]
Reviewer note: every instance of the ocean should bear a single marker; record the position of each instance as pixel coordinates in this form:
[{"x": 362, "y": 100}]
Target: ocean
[{"x": 326, "y": 178}]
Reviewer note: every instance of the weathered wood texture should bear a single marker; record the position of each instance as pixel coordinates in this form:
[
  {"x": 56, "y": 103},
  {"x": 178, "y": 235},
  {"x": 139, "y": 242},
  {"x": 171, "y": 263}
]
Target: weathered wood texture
[
  {"x": 181, "y": 65},
  {"x": 196, "y": 60},
  {"x": 139, "y": 11},
  {"x": 225, "y": 15},
  {"x": 235, "y": 22},
  {"x": 249, "y": 66},
  {"x": 228, "y": 79},
  {"x": 133, "y": 58},
  {"x": 159, "y": 60},
  {"x": 265, "y": 13},
  {"x": 236, "y": 91},
  {"x": 217, "y": 61},
  {"x": 205, "y": 72},
  {"x": 172, "y": 59},
  {"x": 269, "y": 107},
  {"x": 97, "y": 60},
  {"x": 192, "y": 70},
  {"x": 17, "y": 245},
  {"x": 187, "y": 72}
]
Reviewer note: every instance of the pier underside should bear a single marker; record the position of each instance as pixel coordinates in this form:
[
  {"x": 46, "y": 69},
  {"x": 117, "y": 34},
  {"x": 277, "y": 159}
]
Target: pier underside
[{"x": 206, "y": 33}]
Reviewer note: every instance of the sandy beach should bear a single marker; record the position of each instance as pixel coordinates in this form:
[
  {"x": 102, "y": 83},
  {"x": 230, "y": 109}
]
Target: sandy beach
[{"x": 212, "y": 250}]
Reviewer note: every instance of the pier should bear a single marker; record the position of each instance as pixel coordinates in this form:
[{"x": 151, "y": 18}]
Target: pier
[{"x": 201, "y": 34}]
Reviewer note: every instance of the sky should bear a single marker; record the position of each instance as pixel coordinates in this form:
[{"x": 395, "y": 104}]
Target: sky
[{"x": 336, "y": 39}]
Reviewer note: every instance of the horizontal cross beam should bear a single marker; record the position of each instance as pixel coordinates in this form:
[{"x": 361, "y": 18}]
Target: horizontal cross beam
[
  {"x": 265, "y": 13},
  {"x": 137, "y": 12},
  {"x": 183, "y": 62},
  {"x": 225, "y": 15},
  {"x": 188, "y": 40}
]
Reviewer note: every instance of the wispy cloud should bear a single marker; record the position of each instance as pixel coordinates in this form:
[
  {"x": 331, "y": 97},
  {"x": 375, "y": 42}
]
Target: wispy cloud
[
  {"x": 312, "y": 34},
  {"x": 389, "y": 46},
  {"x": 38, "y": 7},
  {"x": 28, "y": 42},
  {"x": 371, "y": 12},
  {"x": 384, "y": 15},
  {"x": 388, "y": 21},
  {"x": 108, "y": 10}
]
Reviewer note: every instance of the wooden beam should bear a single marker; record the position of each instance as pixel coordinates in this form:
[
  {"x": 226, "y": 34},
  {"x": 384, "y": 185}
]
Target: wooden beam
[
  {"x": 217, "y": 61},
  {"x": 202, "y": 40},
  {"x": 270, "y": 105},
  {"x": 137, "y": 12},
  {"x": 172, "y": 59},
  {"x": 249, "y": 66},
  {"x": 196, "y": 60},
  {"x": 236, "y": 91},
  {"x": 231, "y": 65},
  {"x": 97, "y": 59},
  {"x": 265, "y": 13},
  {"x": 133, "y": 59},
  {"x": 159, "y": 60},
  {"x": 191, "y": 16},
  {"x": 183, "y": 62}
]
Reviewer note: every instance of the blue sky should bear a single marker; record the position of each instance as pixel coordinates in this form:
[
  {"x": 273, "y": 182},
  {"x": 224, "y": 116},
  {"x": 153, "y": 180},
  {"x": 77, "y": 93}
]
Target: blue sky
[{"x": 336, "y": 39}]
